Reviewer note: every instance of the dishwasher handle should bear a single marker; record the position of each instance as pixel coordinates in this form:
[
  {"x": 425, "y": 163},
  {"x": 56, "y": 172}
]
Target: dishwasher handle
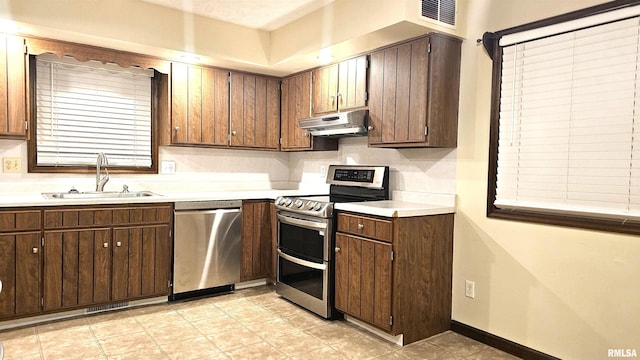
[
  {"x": 205, "y": 212},
  {"x": 207, "y": 205}
]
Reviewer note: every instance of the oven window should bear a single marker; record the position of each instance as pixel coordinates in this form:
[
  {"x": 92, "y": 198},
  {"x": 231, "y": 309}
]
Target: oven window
[
  {"x": 300, "y": 277},
  {"x": 301, "y": 242}
]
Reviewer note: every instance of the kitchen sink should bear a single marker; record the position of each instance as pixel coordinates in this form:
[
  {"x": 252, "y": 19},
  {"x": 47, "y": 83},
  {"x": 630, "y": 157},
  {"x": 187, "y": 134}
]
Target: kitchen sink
[{"x": 99, "y": 195}]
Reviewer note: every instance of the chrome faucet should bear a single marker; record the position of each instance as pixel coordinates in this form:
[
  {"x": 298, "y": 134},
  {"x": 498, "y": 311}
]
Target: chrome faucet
[{"x": 101, "y": 162}]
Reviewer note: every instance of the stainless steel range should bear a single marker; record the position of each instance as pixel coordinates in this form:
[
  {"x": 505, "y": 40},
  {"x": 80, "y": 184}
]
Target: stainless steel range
[{"x": 306, "y": 234}]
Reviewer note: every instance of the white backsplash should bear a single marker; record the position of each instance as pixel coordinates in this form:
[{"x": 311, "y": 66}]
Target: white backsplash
[{"x": 415, "y": 174}]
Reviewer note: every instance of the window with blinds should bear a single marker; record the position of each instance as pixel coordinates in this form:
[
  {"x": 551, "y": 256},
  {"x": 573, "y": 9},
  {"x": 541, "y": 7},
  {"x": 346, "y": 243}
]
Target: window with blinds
[
  {"x": 86, "y": 108},
  {"x": 568, "y": 135}
]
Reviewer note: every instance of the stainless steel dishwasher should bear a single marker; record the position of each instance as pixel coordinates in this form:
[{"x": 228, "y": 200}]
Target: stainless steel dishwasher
[{"x": 207, "y": 249}]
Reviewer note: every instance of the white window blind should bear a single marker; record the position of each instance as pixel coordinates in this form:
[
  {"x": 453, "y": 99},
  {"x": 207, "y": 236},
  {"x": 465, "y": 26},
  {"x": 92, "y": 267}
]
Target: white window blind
[
  {"x": 87, "y": 108},
  {"x": 569, "y": 127}
]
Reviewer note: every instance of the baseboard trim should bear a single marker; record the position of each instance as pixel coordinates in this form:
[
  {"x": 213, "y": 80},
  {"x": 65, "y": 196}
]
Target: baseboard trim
[{"x": 499, "y": 343}]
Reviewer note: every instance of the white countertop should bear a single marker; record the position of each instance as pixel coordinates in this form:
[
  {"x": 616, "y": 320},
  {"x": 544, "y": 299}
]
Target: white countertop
[
  {"x": 395, "y": 208},
  {"x": 37, "y": 199}
]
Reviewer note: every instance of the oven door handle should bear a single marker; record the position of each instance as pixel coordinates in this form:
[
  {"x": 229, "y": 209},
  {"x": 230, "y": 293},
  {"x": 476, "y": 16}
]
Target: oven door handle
[
  {"x": 304, "y": 223},
  {"x": 305, "y": 263}
]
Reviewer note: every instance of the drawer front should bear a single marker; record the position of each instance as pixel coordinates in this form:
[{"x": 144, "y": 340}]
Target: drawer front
[
  {"x": 11, "y": 221},
  {"x": 380, "y": 229},
  {"x": 100, "y": 217}
]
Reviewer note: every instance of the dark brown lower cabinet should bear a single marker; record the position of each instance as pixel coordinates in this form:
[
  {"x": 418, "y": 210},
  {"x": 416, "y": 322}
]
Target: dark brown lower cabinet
[
  {"x": 398, "y": 276},
  {"x": 20, "y": 270},
  {"x": 77, "y": 267},
  {"x": 141, "y": 262},
  {"x": 257, "y": 240}
]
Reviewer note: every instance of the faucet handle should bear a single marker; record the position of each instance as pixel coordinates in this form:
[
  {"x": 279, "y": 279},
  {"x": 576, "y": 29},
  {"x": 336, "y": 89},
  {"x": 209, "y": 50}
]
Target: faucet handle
[{"x": 125, "y": 188}]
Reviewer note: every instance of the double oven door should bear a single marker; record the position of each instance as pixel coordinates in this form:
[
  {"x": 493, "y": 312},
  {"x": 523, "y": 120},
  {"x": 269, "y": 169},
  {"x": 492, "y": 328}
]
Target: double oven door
[{"x": 305, "y": 267}]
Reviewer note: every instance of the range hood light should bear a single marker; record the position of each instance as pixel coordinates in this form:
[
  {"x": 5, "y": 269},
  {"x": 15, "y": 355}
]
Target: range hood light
[{"x": 325, "y": 56}]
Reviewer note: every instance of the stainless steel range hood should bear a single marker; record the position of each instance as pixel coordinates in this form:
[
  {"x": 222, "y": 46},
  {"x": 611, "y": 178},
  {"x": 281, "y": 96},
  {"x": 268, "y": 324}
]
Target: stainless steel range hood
[{"x": 348, "y": 123}]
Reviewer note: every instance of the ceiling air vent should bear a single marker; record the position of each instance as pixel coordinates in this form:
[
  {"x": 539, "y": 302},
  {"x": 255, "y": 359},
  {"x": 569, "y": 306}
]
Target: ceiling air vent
[{"x": 443, "y": 11}]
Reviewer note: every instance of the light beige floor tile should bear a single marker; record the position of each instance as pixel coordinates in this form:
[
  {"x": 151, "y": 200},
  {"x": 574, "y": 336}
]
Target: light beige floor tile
[
  {"x": 216, "y": 325},
  {"x": 166, "y": 317},
  {"x": 257, "y": 351},
  {"x": 109, "y": 325},
  {"x": 334, "y": 332},
  {"x": 364, "y": 347},
  {"x": 199, "y": 311},
  {"x": 65, "y": 332},
  {"x": 306, "y": 320},
  {"x": 252, "y": 315},
  {"x": 20, "y": 343},
  {"x": 457, "y": 344},
  {"x": 323, "y": 353},
  {"x": 226, "y": 340},
  {"x": 491, "y": 354},
  {"x": 294, "y": 343},
  {"x": 273, "y": 327},
  {"x": 149, "y": 354},
  {"x": 127, "y": 343},
  {"x": 169, "y": 334},
  {"x": 75, "y": 351},
  {"x": 26, "y": 357},
  {"x": 427, "y": 351},
  {"x": 190, "y": 348},
  {"x": 236, "y": 305}
]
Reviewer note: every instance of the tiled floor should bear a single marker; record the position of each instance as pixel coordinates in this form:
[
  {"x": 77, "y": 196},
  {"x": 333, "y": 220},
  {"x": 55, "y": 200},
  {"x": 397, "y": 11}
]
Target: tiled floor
[{"x": 249, "y": 324}]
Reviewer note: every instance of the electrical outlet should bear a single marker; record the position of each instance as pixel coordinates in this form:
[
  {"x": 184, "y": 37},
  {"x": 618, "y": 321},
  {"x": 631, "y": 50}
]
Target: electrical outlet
[
  {"x": 469, "y": 289},
  {"x": 168, "y": 167},
  {"x": 11, "y": 165},
  {"x": 323, "y": 171}
]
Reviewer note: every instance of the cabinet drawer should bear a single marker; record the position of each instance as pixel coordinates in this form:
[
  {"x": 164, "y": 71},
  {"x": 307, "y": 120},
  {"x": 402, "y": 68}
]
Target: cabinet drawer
[
  {"x": 365, "y": 226},
  {"x": 11, "y": 221},
  {"x": 90, "y": 217}
]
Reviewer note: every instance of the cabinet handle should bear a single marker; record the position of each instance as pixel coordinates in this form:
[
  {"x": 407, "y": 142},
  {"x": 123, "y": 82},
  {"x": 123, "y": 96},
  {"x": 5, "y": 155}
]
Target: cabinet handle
[
  {"x": 105, "y": 245},
  {"x": 307, "y": 134},
  {"x": 233, "y": 133},
  {"x": 360, "y": 226},
  {"x": 34, "y": 250},
  {"x": 118, "y": 243},
  {"x": 177, "y": 128},
  {"x": 337, "y": 249},
  {"x": 370, "y": 127}
]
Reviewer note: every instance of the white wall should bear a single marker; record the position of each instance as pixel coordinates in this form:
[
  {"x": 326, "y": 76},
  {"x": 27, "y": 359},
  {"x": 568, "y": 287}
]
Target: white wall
[{"x": 570, "y": 293}]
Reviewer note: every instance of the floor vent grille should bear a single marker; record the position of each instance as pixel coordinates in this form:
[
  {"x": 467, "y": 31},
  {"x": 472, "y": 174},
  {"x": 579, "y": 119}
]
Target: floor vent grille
[{"x": 99, "y": 308}]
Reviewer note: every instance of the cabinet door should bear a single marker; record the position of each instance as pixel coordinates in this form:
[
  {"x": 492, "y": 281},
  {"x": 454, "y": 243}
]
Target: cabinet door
[
  {"x": 76, "y": 268},
  {"x": 363, "y": 279},
  {"x": 255, "y": 111},
  {"x": 352, "y": 83},
  {"x": 20, "y": 274},
  {"x": 12, "y": 87},
  {"x": 296, "y": 105},
  {"x": 199, "y": 105},
  {"x": 256, "y": 241},
  {"x": 398, "y": 83},
  {"x": 141, "y": 262},
  {"x": 325, "y": 89}
]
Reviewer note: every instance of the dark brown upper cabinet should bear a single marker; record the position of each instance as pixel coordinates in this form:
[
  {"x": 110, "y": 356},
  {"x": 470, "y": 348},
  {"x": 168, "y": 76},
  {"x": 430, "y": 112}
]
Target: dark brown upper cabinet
[
  {"x": 13, "y": 113},
  {"x": 414, "y": 92},
  {"x": 340, "y": 86}
]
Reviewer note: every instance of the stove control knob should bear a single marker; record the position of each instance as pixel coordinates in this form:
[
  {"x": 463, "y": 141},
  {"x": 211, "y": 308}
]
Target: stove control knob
[
  {"x": 298, "y": 203},
  {"x": 287, "y": 201},
  {"x": 317, "y": 207},
  {"x": 310, "y": 204}
]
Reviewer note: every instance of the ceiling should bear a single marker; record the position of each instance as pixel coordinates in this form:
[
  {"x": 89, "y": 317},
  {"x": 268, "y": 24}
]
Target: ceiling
[{"x": 257, "y": 14}]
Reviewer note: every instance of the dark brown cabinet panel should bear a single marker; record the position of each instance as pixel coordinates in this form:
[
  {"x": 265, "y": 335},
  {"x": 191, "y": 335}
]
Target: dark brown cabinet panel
[
  {"x": 76, "y": 268},
  {"x": 141, "y": 262},
  {"x": 414, "y": 92},
  {"x": 199, "y": 105},
  {"x": 340, "y": 86},
  {"x": 402, "y": 284},
  {"x": 363, "y": 279},
  {"x": 257, "y": 240},
  {"x": 13, "y": 95},
  {"x": 296, "y": 105},
  {"x": 255, "y": 111},
  {"x": 20, "y": 259}
]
